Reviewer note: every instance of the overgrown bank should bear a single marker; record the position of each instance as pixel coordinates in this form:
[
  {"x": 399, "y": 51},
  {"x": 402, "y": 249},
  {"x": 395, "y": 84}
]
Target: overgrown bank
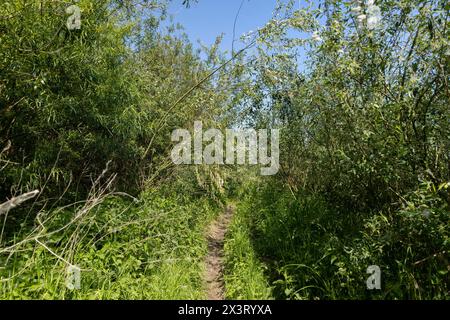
[
  {"x": 152, "y": 248},
  {"x": 73, "y": 101},
  {"x": 289, "y": 245}
]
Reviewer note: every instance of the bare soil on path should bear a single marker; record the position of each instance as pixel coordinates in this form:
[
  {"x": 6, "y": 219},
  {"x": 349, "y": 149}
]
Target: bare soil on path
[{"x": 214, "y": 260}]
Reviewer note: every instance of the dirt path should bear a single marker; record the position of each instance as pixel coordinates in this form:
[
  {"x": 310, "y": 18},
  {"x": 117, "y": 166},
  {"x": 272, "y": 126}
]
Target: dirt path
[{"x": 214, "y": 259}]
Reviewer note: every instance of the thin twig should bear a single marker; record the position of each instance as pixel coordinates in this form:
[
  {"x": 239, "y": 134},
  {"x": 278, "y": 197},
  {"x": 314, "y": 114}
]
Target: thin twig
[{"x": 16, "y": 201}]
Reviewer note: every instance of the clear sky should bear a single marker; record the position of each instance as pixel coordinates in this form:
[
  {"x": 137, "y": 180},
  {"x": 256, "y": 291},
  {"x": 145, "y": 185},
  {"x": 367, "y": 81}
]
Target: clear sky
[{"x": 207, "y": 19}]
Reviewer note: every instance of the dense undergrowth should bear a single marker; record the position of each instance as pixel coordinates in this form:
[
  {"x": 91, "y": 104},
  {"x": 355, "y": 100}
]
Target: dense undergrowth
[
  {"x": 364, "y": 155},
  {"x": 86, "y": 121},
  {"x": 299, "y": 247},
  {"x": 149, "y": 248},
  {"x": 86, "y": 117}
]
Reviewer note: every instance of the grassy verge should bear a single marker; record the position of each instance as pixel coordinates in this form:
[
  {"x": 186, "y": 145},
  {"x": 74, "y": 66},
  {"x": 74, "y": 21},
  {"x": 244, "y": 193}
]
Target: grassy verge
[
  {"x": 151, "y": 249},
  {"x": 244, "y": 272},
  {"x": 304, "y": 249}
]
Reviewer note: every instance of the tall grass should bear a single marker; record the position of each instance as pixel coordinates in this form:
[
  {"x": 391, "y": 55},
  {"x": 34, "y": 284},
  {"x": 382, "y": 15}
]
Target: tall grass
[
  {"x": 244, "y": 272},
  {"x": 305, "y": 249},
  {"x": 149, "y": 248}
]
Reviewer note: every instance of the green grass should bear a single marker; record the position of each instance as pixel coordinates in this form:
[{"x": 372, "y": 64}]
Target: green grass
[
  {"x": 279, "y": 246},
  {"x": 153, "y": 249},
  {"x": 301, "y": 248},
  {"x": 244, "y": 272}
]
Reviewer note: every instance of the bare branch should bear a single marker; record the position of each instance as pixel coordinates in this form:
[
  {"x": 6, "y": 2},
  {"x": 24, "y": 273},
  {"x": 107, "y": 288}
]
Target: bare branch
[{"x": 16, "y": 201}]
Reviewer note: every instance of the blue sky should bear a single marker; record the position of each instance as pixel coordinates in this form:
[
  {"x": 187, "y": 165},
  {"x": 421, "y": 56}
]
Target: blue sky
[{"x": 207, "y": 19}]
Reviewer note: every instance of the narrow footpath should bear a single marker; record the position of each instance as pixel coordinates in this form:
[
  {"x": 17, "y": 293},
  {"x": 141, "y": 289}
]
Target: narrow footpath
[{"x": 214, "y": 259}]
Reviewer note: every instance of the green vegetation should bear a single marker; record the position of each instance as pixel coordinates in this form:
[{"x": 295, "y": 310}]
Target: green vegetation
[
  {"x": 151, "y": 249},
  {"x": 309, "y": 250},
  {"x": 86, "y": 118},
  {"x": 244, "y": 272},
  {"x": 364, "y": 177},
  {"x": 85, "y": 115}
]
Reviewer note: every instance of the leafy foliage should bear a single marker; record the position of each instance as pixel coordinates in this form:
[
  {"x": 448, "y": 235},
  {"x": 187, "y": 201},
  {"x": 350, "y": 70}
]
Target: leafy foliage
[
  {"x": 86, "y": 117},
  {"x": 365, "y": 163}
]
